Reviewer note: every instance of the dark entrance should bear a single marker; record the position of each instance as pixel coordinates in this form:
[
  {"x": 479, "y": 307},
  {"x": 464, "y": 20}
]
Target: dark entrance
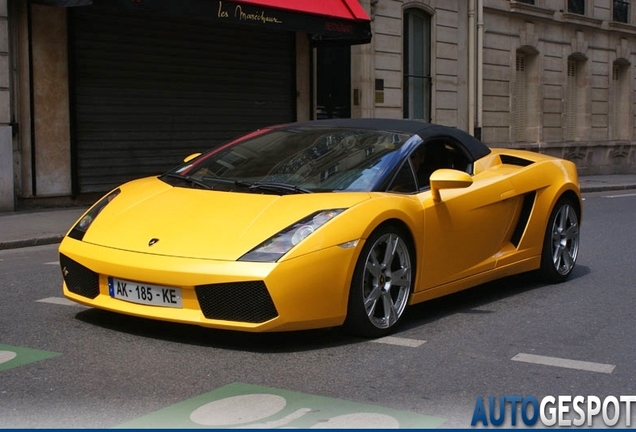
[{"x": 333, "y": 82}]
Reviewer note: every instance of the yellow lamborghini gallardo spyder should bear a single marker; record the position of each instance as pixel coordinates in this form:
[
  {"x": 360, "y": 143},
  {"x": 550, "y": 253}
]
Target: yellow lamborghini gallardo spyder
[{"x": 321, "y": 224}]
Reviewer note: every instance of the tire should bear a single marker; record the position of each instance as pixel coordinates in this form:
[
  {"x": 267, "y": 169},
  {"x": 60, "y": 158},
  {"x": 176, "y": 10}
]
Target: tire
[
  {"x": 382, "y": 283},
  {"x": 561, "y": 242}
]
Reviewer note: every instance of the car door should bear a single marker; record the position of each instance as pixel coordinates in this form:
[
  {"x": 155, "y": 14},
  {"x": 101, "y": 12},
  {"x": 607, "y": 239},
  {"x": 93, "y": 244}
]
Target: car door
[{"x": 466, "y": 230}]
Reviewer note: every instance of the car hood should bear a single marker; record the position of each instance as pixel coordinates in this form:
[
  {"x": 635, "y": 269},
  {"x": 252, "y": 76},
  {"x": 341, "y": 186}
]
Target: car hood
[{"x": 202, "y": 224}]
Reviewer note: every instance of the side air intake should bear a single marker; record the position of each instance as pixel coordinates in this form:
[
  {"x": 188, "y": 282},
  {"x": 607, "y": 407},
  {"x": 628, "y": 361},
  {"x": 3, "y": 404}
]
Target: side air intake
[
  {"x": 524, "y": 217},
  {"x": 514, "y": 160}
]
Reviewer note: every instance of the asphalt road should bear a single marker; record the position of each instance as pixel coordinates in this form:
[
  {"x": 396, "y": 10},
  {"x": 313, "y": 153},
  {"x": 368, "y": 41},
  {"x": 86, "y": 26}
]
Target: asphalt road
[{"x": 64, "y": 365}]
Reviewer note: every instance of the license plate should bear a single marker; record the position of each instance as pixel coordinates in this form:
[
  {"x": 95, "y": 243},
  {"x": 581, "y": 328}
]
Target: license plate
[{"x": 144, "y": 293}]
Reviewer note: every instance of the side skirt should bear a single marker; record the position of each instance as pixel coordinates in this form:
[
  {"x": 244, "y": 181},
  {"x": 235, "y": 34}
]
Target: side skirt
[{"x": 523, "y": 266}]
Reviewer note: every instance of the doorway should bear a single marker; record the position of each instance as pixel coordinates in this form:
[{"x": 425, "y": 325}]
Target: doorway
[{"x": 333, "y": 82}]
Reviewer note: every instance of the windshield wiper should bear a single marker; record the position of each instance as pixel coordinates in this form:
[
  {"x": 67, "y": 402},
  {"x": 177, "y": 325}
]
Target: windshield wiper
[
  {"x": 271, "y": 186},
  {"x": 188, "y": 179}
]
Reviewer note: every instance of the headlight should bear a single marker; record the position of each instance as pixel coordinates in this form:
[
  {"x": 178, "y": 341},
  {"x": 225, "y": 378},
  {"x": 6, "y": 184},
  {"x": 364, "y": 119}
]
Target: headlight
[
  {"x": 278, "y": 245},
  {"x": 85, "y": 222}
]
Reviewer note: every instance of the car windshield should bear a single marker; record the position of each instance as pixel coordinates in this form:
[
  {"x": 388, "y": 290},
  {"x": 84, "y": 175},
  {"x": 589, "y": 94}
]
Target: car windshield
[{"x": 295, "y": 160}]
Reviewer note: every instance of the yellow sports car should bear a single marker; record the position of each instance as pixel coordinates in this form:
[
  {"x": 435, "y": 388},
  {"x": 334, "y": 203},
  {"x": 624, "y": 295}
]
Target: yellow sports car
[{"x": 323, "y": 223}]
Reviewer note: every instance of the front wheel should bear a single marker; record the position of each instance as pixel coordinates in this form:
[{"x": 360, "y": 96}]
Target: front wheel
[
  {"x": 381, "y": 284},
  {"x": 561, "y": 242}
]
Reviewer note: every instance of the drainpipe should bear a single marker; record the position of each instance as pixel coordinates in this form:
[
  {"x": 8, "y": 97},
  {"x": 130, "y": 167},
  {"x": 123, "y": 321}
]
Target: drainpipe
[
  {"x": 480, "y": 67},
  {"x": 471, "y": 65}
]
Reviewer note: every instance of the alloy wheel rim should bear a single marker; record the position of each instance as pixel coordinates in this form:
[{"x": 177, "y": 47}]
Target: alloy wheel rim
[
  {"x": 565, "y": 239},
  {"x": 387, "y": 280}
]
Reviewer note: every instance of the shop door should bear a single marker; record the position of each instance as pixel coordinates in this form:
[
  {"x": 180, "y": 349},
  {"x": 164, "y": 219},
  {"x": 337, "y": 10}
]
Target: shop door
[{"x": 333, "y": 82}]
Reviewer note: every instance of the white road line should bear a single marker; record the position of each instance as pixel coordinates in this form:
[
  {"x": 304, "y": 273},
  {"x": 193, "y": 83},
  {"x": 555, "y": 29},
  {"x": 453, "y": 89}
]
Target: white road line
[
  {"x": 52, "y": 263},
  {"x": 564, "y": 363},
  {"x": 59, "y": 301},
  {"x": 392, "y": 340},
  {"x": 620, "y": 196}
]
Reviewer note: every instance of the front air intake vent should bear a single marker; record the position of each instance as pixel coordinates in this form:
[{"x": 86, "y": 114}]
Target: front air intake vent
[
  {"x": 236, "y": 301},
  {"x": 514, "y": 160},
  {"x": 79, "y": 279}
]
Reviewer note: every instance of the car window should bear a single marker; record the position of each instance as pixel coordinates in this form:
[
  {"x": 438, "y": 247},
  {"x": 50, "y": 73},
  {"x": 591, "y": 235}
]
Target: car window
[
  {"x": 310, "y": 159},
  {"x": 404, "y": 181},
  {"x": 445, "y": 153}
]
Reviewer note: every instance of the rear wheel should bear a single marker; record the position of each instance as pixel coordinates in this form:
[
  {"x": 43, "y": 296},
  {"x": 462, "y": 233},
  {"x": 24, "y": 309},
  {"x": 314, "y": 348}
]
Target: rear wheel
[
  {"x": 381, "y": 284},
  {"x": 561, "y": 242}
]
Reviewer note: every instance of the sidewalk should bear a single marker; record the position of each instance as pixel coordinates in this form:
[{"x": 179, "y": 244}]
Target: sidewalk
[
  {"x": 601, "y": 183},
  {"x": 36, "y": 227},
  {"x": 40, "y": 227}
]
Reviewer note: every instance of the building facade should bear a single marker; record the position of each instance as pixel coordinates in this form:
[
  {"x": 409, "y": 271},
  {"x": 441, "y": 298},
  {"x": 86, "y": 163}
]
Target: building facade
[
  {"x": 559, "y": 78},
  {"x": 96, "y": 94},
  {"x": 555, "y": 76}
]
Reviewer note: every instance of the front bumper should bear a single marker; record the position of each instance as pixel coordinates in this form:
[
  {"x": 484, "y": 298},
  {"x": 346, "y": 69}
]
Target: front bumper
[{"x": 306, "y": 292}]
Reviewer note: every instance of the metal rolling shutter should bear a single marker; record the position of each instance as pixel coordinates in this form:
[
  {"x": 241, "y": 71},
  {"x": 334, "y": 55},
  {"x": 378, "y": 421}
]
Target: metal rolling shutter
[{"x": 149, "y": 89}]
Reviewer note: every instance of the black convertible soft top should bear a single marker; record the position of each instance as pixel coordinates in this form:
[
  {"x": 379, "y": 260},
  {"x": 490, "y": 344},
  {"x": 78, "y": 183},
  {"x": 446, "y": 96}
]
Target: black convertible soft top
[{"x": 425, "y": 130}]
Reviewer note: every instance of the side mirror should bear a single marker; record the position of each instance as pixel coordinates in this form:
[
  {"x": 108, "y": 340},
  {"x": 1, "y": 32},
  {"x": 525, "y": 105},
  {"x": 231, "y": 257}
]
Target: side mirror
[
  {"x": 448, "y": 179},
  {"x": 192, "y": 156}
]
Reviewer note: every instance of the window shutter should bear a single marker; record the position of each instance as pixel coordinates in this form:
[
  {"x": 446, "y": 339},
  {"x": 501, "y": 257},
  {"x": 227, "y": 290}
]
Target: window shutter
[
  {"x": 570, "y": 102},
  {"x": 616, "y": 102},
  {"x": 519, "y": 114}
]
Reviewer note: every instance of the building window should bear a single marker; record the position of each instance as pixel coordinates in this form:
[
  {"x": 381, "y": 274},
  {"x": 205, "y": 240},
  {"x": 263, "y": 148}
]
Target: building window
[
  {"x": 526, "y": 1},
  {"x": 569, "y": 130},
  {"x": 576, "y": 120},
  {"x": 417, "y": 65},
  {"x": 620, "y": 11},
  {"x": 619, "y": 102},
  {"x": 526, "y": 105},
  {"x": 576, "y": 6}
]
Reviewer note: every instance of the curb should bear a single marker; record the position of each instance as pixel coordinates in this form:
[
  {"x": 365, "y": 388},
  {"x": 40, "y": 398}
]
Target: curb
[
  {"x": 606, "y": 188},
  {"x": 15, "y": 244}
]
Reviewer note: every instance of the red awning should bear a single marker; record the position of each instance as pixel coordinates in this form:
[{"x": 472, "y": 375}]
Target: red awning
[
  {"x": 325, "y": 21},
  {"x": 343, "y": 9}
]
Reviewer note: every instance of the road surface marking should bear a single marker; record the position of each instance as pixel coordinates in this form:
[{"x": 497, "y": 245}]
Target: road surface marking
[
  {"x": 392, "y": 340},
  {"x": 241, "y": 405},
  {"x": 564, "y": 363},
  {"x": 14, "y": 356},
  {"x": 52, "y": 263},
  {"x": 620, "y": 196},
  {"x": 5, "y": 356},
  {"x": 59, "y": 301}
]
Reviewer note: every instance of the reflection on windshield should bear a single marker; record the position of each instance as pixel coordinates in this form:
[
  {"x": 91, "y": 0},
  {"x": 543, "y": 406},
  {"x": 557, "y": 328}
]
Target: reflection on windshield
[{"x": 311, "y": 158}]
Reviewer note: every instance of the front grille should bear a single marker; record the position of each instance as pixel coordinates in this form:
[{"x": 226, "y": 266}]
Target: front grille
[
  {"x": 236, "y": 301},
  {"x": 79, "y": 279}
]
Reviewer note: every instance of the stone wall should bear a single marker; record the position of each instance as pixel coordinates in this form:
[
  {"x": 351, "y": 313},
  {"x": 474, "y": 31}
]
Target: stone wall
[
  {"x": 551, "y": 36},
  {"x": 51, "y": 101},
  {"x": 448, "y": 58},
  {"x": 591, "y": 158}
]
